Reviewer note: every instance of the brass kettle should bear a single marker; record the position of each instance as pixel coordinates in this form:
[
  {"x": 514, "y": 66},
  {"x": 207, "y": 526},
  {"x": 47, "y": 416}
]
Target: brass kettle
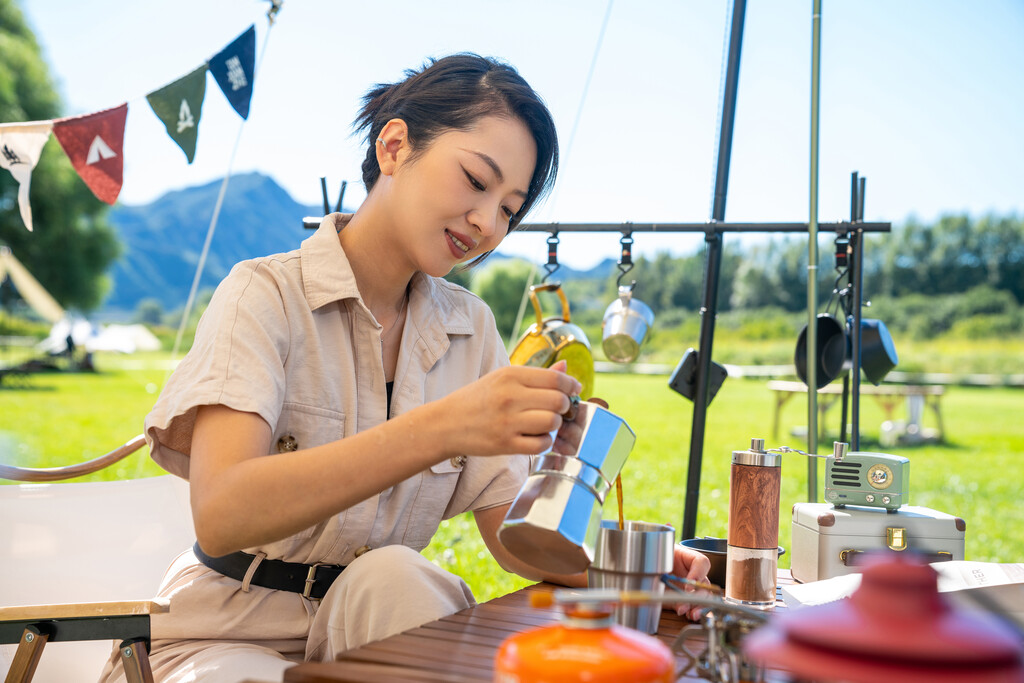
[{"x": 550, "y": 340}]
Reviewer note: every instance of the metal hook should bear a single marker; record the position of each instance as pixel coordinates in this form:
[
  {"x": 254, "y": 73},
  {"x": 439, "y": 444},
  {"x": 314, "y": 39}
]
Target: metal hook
[
  {"x": 626, "y": 261},
  {"x": 552, "y": 265},
  {"x": 275, "y": 7}
]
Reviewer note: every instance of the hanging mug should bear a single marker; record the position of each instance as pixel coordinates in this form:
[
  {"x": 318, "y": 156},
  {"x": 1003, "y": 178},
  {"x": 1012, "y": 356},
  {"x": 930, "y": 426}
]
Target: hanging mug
[{"x": 627, "y": 322}]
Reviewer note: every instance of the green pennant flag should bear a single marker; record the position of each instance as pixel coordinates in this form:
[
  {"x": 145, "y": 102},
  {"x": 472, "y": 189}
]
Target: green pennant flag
[{"x": 179, "y": 105}]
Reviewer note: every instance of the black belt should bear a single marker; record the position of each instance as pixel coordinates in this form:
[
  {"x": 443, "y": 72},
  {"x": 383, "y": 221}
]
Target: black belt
[{"x": 309, "y": 580}]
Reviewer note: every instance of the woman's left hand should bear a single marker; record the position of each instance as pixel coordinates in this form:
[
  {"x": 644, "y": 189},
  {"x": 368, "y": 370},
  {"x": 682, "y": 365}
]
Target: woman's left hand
[{"x": 692, "y": 565}]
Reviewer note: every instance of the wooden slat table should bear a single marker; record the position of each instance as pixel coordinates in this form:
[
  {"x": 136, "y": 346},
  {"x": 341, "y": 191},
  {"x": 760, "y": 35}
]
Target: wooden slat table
[{"x": 459, "y": 648}]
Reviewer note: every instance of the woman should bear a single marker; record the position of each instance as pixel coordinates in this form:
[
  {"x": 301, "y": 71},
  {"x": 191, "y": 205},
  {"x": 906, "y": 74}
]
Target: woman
[{"x": 380, "y": 391}]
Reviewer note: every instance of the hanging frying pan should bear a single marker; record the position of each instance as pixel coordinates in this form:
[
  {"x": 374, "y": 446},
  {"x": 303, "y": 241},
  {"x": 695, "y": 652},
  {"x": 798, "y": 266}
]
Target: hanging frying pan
[
  {"x": 832, "y": 358},
  {"x": 877, "y": 353}
]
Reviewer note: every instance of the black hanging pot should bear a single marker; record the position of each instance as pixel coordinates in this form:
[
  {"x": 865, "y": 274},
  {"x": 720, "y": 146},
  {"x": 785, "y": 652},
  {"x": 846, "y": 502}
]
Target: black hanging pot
[
  {"x": 877, "y": 351},
  {"x": 832, "y": 359}
]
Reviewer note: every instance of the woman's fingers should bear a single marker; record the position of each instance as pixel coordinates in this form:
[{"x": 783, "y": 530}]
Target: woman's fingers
[
  {"x": 694, "y": 566},
  {"x": 523, "y": 406}
]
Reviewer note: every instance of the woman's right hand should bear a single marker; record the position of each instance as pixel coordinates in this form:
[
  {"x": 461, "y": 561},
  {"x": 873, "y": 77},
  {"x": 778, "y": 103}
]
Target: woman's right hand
[{"x": 510, "y": 410}]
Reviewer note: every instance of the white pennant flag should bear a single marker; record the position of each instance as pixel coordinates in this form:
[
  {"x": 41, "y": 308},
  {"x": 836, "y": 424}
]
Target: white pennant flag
[{"x": 20, "y": 147}]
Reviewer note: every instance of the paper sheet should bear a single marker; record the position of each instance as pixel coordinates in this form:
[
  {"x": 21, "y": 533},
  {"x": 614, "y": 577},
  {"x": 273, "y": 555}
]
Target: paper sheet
[{"x": 1003, "y": 583}]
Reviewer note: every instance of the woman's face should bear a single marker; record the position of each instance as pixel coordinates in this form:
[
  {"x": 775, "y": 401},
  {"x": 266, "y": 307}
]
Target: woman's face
[{"x": 454, "y": 201}]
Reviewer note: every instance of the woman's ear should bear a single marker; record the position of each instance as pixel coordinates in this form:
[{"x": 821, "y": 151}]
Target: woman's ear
[{"x": 392, "y": 142}]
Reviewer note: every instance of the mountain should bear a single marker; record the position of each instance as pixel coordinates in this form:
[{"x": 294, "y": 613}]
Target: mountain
[
  {"x": 601, "y": 271},
  {"x": 163, "y": 240}
]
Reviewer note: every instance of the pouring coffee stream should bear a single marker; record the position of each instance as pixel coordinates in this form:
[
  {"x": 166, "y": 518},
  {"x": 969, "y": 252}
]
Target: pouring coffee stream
[{"x": 618, "y": 495}]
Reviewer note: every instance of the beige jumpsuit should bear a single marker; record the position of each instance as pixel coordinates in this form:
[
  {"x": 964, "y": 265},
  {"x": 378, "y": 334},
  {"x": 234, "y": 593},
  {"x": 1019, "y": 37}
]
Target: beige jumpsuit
[{"x": 289, "y": 338}]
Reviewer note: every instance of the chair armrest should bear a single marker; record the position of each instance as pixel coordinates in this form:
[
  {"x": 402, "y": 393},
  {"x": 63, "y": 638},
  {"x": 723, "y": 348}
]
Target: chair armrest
[
  {"x": 71, "y": 471},
  {"x": 77, "y": 610}
]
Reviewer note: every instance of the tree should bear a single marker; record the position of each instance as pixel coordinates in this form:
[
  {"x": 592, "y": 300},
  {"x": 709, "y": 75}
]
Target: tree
[
  {"x": 501, "y": 284},
  {"x": 149, "y": 312},
  {"x": 72, "y": 245}
]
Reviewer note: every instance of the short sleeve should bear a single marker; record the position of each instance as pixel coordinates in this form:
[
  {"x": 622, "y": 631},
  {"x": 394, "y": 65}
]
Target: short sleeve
[{"x": 236, "y": 360}]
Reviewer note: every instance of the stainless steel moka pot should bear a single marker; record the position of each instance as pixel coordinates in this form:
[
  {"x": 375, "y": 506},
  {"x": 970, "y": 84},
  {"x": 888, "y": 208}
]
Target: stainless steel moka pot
[{"x": 554, "y": 521}]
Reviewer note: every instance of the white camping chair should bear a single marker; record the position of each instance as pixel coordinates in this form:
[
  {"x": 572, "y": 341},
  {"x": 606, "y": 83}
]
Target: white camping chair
[{"x": 88, "y": 558}]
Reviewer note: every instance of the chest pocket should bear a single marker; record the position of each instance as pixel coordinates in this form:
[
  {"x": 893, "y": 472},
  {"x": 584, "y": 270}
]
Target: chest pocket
[
  {"x": 437, "y": 486},
  {"x": 302, "y": 426}
]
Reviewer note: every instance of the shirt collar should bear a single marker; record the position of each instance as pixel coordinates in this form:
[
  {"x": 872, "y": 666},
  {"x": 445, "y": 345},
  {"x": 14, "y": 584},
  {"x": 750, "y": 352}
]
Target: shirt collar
[
  {"x": 326, "y": 273},
  {"x": 327, "y": 277}
]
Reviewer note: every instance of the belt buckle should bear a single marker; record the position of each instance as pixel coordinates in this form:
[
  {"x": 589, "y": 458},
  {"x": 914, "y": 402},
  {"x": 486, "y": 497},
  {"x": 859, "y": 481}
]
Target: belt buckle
[{"x": 310, "y": 580}]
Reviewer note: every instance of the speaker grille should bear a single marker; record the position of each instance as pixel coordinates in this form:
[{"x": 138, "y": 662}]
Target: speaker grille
[{"x": 845, "y": 475}]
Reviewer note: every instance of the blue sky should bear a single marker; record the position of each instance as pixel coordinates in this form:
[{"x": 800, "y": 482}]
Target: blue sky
[{"x": 925, "y": 98}]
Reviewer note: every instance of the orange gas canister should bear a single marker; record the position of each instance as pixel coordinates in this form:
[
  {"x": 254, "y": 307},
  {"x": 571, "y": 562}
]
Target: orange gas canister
[{"x": 587, "y": 646}]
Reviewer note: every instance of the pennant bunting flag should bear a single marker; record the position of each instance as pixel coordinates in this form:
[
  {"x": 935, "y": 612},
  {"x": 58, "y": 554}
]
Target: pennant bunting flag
[
  {"x": 20, "y": 147},
  {"x": 94, "y": 143},
  {"x": 179, "y": 106},
  {"x": 233, "y": 68}
]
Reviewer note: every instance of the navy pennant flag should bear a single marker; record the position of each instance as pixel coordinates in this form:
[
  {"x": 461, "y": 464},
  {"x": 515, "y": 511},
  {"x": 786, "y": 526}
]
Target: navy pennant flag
[
  {"x": 179, "y": 106},
  {"x": 233, "y": 68}
]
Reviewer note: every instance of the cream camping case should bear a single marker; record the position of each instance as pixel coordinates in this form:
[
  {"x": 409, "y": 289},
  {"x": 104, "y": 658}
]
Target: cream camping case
[{"x": 829, "y": 541}]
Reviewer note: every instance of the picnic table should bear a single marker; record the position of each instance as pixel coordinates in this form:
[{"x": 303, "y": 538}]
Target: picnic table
[
  {"x": 888, "y": 396},
  {"x": 460, "y": 648}
]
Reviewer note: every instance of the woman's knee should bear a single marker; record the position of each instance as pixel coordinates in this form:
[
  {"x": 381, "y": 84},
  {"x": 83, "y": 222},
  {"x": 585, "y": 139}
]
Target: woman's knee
[
  {"x": 383, "y": 592},
  {"x": 399, "y": 568}
]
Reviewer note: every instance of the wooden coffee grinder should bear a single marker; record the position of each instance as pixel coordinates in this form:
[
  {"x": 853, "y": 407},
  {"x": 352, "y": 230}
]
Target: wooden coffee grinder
[{"x": 752, "y": 557}]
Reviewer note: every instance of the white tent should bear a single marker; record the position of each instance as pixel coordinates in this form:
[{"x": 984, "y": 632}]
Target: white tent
[
  {"x": 123, "y": 338},
  {"x": 79, "y": 329},
  {"x": 28, "y": 287}
]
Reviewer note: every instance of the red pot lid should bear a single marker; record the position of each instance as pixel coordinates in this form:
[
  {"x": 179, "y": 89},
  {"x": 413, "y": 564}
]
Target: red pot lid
[
  {"x": 895, "y": 620},
  {"x": 769, "y": 646}
]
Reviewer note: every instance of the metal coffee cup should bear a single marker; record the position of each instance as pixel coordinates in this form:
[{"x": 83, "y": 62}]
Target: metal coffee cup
[
  {"x": 633, "y": 559},
  {"x": 554, "y": 521},
  {"x": 627, "y": 322}
]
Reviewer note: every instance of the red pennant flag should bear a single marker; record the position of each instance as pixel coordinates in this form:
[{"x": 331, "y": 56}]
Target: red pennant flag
[{"x": 95, "y": 145}]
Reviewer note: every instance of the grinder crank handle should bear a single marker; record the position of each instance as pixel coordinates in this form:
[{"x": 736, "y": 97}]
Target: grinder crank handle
[{"x": 839, "y": 451}]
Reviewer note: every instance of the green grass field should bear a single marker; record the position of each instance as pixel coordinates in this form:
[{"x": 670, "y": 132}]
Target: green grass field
[{"x": 51, "y": 419}]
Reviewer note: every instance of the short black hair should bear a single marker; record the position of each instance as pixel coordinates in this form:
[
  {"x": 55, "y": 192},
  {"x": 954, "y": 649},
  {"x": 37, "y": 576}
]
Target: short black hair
[{"x": 453, "y": 93}]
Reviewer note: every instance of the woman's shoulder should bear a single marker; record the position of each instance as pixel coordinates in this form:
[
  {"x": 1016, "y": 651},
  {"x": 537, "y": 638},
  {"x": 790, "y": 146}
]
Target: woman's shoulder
[
  {"x": 275, "y": 270},
  {"x": 285, "y": 264}
]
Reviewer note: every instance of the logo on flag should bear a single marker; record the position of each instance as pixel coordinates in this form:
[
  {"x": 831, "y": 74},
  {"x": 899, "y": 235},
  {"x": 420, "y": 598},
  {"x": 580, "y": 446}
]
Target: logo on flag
[
  {"x": 94, "y": 143},
  {"x": 179, "y": 106},
  {"x": 99, "y": 150},
  {"x": 236, "y": 75},
  {"x": 11, "y": 156},
  {"x": 20, "y": 147},
  {"x": 233, "y": 69},
  {"x": 185, "y": 119}
]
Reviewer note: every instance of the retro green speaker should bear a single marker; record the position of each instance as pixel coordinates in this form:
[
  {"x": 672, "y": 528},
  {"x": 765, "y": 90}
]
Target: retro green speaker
[{"x": 871, "y": 479}]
